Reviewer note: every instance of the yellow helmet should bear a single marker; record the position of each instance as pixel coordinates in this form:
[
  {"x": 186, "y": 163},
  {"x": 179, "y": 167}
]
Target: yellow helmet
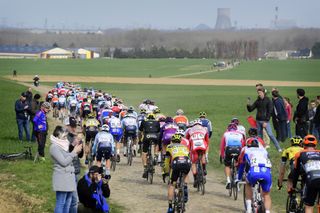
[
  {"x": 151, "y": 116},
  {"x": 296, "y": 141},
  {"x": 176, "y": 138}
]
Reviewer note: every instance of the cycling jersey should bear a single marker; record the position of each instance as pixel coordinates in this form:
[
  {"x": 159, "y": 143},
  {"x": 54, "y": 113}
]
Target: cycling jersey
[
  {"x": 91, "y": 122},
  {"x": 289, "y": 154},
  {"x": 307, "y": 164},
  {"x": 151, "y": 130},
  {"x": 177, "y": 158},
  {"x": 130, "y": 125},
  {"x": 103, "y": 139},
  {"x": 256, "y": 162},
  {"x": 207, "y": 123},
  {"x": 115, "y": 128},
  {"x": 231, "y": 139},
  {"x": 181, "y": 121},
  {"x": 167, "y": 131},
  {"x": 198, "y": 137}
]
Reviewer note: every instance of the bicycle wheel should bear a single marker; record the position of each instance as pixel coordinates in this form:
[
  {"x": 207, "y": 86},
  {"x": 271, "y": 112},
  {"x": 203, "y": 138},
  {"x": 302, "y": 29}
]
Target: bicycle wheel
[
  {"x": 130, "y": 154},
  {"x": 244, "y": 197},
  {"x": 233, "y": 183},
  {"x": 90, "y": 158},
  {"x": 150, "y": 166},
  {"x": 113, "y": 163},
  {"x": 200, "y": 177}
]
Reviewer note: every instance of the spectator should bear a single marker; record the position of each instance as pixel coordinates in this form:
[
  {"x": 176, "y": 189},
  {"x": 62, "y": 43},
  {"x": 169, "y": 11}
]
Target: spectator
[
  {"x": 264, "y": 109},
  {"x": 41, "y": 128},
  {"x": 14, "y": 73},
  {"x": 63, "y": 178},
  {"x": 74, "y": 138},
  {"x": 29, "y": 95},
  {"x": 22, "y": 116},
  {"x": 279, "y": 116},
  {"x": 316, "y": 120},
  {"x": 301, "y": 114},
  {"x": 311, "y": 113},
  {"x": 35, "y": 106},
  {"x": 93, "y": 191},
  {"x": 288, "y": 106}
]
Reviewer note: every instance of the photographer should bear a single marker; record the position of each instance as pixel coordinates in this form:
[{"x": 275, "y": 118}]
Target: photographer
[{"x": 93, "y": 191}]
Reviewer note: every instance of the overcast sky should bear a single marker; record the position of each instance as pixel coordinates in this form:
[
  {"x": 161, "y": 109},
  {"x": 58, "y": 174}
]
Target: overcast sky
[{"x": 164, "y": 14}]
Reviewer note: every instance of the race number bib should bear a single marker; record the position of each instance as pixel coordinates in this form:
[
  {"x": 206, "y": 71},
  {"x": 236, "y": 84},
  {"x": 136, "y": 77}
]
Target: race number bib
[
  {"x": 198, "y": 139},
  {"x": 312, "y": 165}
]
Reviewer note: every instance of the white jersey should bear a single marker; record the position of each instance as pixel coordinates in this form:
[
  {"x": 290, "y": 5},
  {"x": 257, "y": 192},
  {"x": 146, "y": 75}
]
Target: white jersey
[
  {"x": 129, "y": 121},
  {"x": 257, "y": 157},
  {"x": 233, "y": 138},
  {"x": 114, "y": 123},
  {"x": 62, "y": 99},
  {"x": 148, "y": 107},
  {"x": 103, "y": 139},
  {"x": 242, "y": 130}
]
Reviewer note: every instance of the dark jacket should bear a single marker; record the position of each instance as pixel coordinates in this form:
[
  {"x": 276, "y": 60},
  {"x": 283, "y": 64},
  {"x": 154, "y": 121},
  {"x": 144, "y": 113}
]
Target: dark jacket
[
  {"x": 29, "y": 96},
  {"x": 21, "y": 113},
  {"x": 301, "y": 114},
  {"x": 35, "y": 106},
  {"x": 279, "y": 109},
  {"x": 85, "y": 192},
  {"x": 316, "y": 118},
  {"x": 264, "y": 108}
]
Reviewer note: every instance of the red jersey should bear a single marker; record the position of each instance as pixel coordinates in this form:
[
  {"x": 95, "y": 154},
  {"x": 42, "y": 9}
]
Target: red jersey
[{"x": 198, "y": 137}]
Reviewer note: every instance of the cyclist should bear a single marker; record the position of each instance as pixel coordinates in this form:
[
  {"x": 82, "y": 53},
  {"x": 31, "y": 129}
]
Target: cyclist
[
  {"x": 103, "y": 147},
  {"x": 199, "y": 142},
  {"x": 62, "y": 105},
  {"x": 73, "y": 103},
  {"x": 177, "y": 161},
  {"x": 141, "y": 117},
  {"x": 117, "y": 132},
  {"x": 307, "y": 164},
  {"x": 130, "y": 128},
  {"x": 90, "y": 126},
  {"x": 159, "y": 116},
  {"x": 184, "y": 141},
  {"x": 206, "y": 122},
  {"x": 131, "y": 112},
  {"x": 255, "y": 160},
  {"x": 55, "y": 104},
  {"x": 289, "y": 154},
  {"x": 181, "y": 120},
  {"x": 105, "y": 115},
  {"x": 166, "y": 133},
  {"x": 151, "y": 129},
  {"x": 253, "y": 133},
  {"x": 86, "y": 108},
  {"x": 231, "y": 143}
]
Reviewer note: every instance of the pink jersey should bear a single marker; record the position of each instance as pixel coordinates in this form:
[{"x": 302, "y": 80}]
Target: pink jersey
[
  {"x": 185, "y": 142},
  {"x": 198, "y": 137}
]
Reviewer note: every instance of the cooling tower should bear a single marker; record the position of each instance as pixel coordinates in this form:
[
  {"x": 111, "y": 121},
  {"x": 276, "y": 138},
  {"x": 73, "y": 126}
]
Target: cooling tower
[{"x": 223, "y": 19}]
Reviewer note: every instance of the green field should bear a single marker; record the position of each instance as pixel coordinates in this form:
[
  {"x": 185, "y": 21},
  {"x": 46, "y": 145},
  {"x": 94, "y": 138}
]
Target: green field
[{"x": 288, "y": 70}]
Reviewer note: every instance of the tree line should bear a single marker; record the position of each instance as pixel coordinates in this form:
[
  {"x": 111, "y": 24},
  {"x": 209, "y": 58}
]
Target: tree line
[{"x": 239, "y": 49}]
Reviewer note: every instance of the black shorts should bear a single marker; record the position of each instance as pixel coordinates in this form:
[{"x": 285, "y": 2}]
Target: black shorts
[
  {"x": 179, "y": 165},
  {"x": 90, "y": 134},
  {"x": 104, "y": 152},
  {"x": 148, "y": 139},
  {"x": 61, "y": 106},
  {"x": 311, "y": 191},
  {"x": 228, "y": 154}
]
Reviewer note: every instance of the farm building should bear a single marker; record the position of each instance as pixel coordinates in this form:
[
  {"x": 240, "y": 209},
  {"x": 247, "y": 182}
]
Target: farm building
[
  {"x": 303, "y": 53},
  {"x": 281, "y": 55},
  {"x": 14, "y": 51},
  {"x": 87, "y": 53},
  {"x": 57, "y": 53}
]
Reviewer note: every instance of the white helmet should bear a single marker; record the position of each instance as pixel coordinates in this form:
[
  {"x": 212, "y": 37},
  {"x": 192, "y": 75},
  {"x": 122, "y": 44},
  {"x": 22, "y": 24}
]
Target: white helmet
[
  {"x": 105, "y": 127},
  {"x": 180, "y": 132},
  {"x": 179, "y": 112}
]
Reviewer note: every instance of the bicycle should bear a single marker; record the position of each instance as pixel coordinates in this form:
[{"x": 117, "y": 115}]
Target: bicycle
[
  {"x": 27, "y": 154},
  {"x": 294, "y": 202},
  {"x": 179, "y": 204},
  {"x": 257, "y": 200},
  {"x": 233, "y": 170},
  {"x": 113, "y": 162},
  {"x": 55, "y": 112},
  {"x": 150, "y": 163},
  {"x": 129, "y": 150},
  {"x": 200, "y": 174}
]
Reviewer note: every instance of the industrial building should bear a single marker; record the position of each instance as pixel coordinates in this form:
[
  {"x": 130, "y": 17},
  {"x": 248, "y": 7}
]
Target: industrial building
[{"x": 14, "y": 51}]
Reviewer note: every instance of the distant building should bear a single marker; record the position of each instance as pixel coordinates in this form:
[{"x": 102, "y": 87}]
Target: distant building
[
  {"x": 223, "y": 19},
  {"x": 14, "y": 51},
  {"x": 280, "y": 55},
  {"x": 303, "y": 53},
  {"x": 57, "y": 53}
]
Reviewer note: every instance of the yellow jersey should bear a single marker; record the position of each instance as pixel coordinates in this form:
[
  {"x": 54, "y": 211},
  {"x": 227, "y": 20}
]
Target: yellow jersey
[
  {"x": 174, "y": 150},
  {"x": 289, "y": 153},
  {"x": 90, "y": 122}
]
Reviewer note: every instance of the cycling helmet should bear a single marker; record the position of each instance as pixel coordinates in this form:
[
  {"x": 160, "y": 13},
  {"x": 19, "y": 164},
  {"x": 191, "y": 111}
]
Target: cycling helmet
[
  {"x": 179, "y": 112},
  {"x": 162, "y": 119},
  {"x": 310, "y": 140},
  {"x": 252, "y": 132},
  {"x": 130, "y": 109},
  {"x": 296, "y": 141},
  {"x": 235, "y": 121},
  {"x": 202, "y": 115},
  {"x": 176, "y": 138},
  {"x": 91, "y": 115},
  {"x": 105, "y": 127},
  {"x": 151, "y": 116},
  {"x": 143, "y": 110},
  {"x": 180, "y": 132},
  {"x": 168, "y": 120},
  {"x": 232, "y": 127},
  {"x": 156, "y": 111},
  {"x": 191, "y": 123},
  {"x": 197, "y": 121},
  {"x": 252, "y": 142}
]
